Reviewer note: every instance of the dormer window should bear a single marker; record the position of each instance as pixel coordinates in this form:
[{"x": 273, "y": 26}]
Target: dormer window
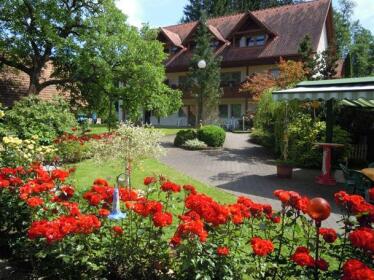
[{"x": 251, "y": 40}]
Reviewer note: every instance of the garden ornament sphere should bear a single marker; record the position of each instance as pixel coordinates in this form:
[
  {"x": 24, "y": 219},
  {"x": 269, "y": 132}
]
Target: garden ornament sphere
[
  {"x": 201, "y": 64},
  {"x": 319, "y": 209}
]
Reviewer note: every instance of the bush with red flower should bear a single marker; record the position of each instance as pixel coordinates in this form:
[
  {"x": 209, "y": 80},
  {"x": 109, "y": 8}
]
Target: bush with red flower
[{"x": 175, "y": 232}]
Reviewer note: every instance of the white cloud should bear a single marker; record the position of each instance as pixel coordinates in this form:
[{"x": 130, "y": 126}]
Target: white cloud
[{"x": 134, "y": 11}]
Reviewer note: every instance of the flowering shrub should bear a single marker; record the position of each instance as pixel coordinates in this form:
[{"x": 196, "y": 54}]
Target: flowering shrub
[
  {"x": 64, "y": 235},
  {"x": 16, "y": 151}
]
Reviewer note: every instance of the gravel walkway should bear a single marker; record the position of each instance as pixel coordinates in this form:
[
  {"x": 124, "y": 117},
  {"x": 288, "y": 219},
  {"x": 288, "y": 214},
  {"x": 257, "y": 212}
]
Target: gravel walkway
[{"x": 243, "y": 168}]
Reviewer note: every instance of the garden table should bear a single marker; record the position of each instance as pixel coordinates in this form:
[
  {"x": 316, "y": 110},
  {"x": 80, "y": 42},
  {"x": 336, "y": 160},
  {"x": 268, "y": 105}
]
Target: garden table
[
  {"x": 368, "y": 172},
  {"x": 325, "y": 177}
]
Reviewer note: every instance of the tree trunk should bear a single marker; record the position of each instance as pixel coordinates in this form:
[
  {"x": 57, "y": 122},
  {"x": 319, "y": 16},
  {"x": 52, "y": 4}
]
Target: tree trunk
[{"x": 34, "y": 82}]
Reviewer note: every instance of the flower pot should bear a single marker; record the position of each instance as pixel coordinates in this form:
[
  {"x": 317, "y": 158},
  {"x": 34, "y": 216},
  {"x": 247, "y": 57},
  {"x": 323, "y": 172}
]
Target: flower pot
[{"x": 284, "y": 171}]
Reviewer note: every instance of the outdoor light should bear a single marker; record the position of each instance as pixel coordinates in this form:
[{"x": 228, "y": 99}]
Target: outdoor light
[
  {"x": 116, "y": 213},
  {"x": 201, "y": 64}
]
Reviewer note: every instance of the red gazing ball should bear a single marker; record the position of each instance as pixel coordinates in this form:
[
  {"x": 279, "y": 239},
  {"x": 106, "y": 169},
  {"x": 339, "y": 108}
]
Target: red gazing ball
[{"x": 319, "y": 209}]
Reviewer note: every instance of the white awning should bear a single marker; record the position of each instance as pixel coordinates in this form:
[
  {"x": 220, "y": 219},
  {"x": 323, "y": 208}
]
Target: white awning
[{"x": 326, "y": 93}]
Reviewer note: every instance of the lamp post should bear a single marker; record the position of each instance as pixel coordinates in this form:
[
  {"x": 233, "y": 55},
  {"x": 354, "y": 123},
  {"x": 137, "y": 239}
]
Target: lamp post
[
  {"x": 201, "y": 64},
  {"x": 116, "y": 213}
]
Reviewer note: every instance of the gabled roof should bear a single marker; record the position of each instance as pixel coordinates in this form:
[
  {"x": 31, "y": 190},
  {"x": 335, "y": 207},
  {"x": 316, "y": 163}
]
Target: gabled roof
[{"x": 287, "y": 25}]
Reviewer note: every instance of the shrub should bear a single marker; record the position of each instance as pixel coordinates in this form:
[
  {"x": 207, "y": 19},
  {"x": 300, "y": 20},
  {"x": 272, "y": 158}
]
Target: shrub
[
  {"x": 261, "y": 137},
  {"x": 46, "y": 119},
  {"x": 184, "y": 135},
  {"x": 69, "y": 235},
  {"x": 72, "y": 152},
  {"x": 194, "y": 144},
  {"x": 213, "y": 136}
]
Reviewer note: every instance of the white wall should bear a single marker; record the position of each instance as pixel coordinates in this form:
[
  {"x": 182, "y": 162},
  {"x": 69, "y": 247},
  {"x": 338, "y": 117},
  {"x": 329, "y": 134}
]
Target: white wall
[{"x": 323, "y": 42}]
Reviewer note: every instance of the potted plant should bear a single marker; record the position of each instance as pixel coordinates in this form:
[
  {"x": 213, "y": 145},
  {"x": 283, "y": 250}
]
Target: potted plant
[{"x": 284, "y": 165}]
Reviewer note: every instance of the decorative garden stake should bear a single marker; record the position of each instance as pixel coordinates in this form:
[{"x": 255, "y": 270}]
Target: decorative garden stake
[
  {"x": 116, "y": 213},
  {"x": 319, "y": 210}
]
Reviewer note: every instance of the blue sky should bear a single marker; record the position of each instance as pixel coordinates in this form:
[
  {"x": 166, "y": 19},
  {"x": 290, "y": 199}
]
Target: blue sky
[{"x": 167, "y": 12}]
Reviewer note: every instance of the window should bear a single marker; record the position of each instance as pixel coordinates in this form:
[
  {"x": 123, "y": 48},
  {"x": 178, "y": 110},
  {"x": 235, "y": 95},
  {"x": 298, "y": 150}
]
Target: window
[
  {"x": 214, "y": 44},
  {"x": 260, "y": 40},
  {"x": 230, "y": 79},
  {"x": 275, "y": 73},
  {"x": 251, "y": 41},
  {"x": 173, "y": 50},
  {"x": 236, "y": 110},
  {"x": 223, "y": 111}
]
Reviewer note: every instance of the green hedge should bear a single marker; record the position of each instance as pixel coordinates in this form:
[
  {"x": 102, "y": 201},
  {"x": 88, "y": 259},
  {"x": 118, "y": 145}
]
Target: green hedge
[
  {"x": 213, "y": 136},
  {"x": 184, "y": 135}
]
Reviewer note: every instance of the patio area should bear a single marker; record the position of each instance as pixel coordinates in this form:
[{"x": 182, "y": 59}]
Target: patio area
[{"x": 244, "y": 168}]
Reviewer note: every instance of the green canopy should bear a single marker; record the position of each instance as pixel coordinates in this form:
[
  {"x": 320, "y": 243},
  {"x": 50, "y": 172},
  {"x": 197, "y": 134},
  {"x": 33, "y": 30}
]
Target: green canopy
[{"x": 352, "y": 92}]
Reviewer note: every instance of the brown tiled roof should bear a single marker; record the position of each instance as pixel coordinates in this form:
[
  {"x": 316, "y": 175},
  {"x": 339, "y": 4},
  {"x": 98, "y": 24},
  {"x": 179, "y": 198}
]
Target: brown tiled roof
[
  {"x": 288, "y": 24},
  {"x": 14, "y": 85}
]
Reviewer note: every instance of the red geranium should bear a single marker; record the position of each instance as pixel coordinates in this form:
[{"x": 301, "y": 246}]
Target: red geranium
[
  {"x": 262, "y": 247},
  {"x": 149, "y": 180},
  {"x": 60, "y": 174},
  {"x": 328, "y": 234},
  {"x": 35, "y": 201},
  {"x": 104, "y": 212},
  {"x": 170, "y": 187},
  {"x": 355, "y": 270},
  {"x": 223, "y": 251},
  {"x": 191, "y": 224},
  {"x": 162, "y": 219},
  {"x": 118, "y": 230},
  {"x": 322, "y": 264},
  {"x": 302, "y": 257},
  {"x": 145, "y": 207},
  {"x": 363, "y": 238},
  {"x": 4, "y": 184},
  {"x": 190, "y": 189},
  {"x": 101, "y": 182}
]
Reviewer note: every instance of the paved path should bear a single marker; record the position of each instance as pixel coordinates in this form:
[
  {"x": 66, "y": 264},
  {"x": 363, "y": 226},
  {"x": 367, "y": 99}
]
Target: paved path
[{"x": 243, "y": 168}]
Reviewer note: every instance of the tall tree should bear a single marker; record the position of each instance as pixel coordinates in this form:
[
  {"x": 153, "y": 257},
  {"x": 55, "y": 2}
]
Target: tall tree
[
  {"x": 222, "y": 7},
  {"x": 362, "y": 52},
  {"x": 35, "y": 33},
  {"x": 205, "y": 83},
  {"x": 343, "y": 25},
  {"x": 116, "y": 62},
  {"x": 308, "y": 57}
]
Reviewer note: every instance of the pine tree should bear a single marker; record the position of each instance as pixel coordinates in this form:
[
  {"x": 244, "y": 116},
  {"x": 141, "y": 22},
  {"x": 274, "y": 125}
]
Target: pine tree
[
  {"x": 215, "y": 8},
  {"x": 327, "y": 63},
  {"x": 308, "y": 57},
  {"x": 205, "y": 83}
]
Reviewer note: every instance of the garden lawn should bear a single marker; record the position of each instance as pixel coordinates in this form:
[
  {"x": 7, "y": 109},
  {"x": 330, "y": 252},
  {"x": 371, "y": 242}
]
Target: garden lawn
[
  {"x": 98, "y": 128},
  {"x": 87, "y": 171}
]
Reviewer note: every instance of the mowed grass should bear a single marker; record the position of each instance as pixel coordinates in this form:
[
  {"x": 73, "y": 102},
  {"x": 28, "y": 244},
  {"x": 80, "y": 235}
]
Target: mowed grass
[
  {"x": 87, "y": 171},
  {"x": 102, "y": 128}
]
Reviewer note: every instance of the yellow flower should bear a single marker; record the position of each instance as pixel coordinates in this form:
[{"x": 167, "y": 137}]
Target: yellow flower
[{"x": 2, "y": 114}]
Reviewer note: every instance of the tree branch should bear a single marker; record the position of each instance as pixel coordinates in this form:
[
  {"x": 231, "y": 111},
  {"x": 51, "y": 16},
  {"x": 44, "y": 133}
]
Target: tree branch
[{"x": 14, "y": 64}]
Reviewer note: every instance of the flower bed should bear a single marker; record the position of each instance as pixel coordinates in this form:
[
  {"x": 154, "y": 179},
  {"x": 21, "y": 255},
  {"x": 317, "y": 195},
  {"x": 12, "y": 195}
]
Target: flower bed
[{"x": 61, "y": 233}]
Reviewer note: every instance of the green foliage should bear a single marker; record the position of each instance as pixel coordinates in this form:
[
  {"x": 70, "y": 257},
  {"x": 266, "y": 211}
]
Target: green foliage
[
  {"x": 31, "y": 117},
  {"x": 183, "y": 136},
  {"x": 72, "y": 151},
  {"x": 306, "y": 51},
  {"x": 205, "y": 83},
  {"x": 362, "y": 52},
  {"x": 116, "y": 62},
  {"x": 194, "y": 144},
  {"x": 213, "y": 136},
  {"x": 35, "y": 33}
]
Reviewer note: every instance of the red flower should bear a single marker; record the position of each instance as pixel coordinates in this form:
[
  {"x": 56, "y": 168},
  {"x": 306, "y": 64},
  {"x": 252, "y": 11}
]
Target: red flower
[
  {"x": 175, "y": 240},
  {"x": 162, "y": 219},
  {"x": 282, "y": 195},
  {"x": 355, "y": 270},
  {"x": 170, "y": 187},
  {"x": 223, "y": 251},
  {"x": 35, "y": 201},
  {"x": 4, "y": 184},
  {"x": 101, "y": 182},
  {"x": 149, "y": 180},
  {"x": 302, "y": 257},
  {"x": 322, "y": 264},
  {"x": 262, "y": 247},
  {"x": 104, "y": 212},
  {"x": 190, "y": 189},
  {"x": 363, "y": 238},
  {"x": 60, "y": 174},
  {"x": 127, "y": 194},
  {"x": 145, "y": 207},
  {"x": 191, "y": 225},
  {"x": 118, "y": 230},
  {"x": 302, "y": 204},
  {"x": 328, "y": 234}
]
